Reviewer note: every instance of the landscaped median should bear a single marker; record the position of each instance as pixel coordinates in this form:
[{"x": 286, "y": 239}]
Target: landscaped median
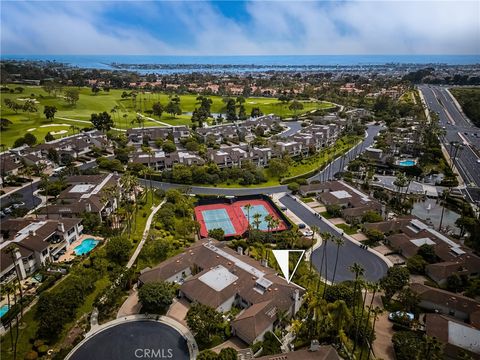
[{"x": 307, "y": 167}]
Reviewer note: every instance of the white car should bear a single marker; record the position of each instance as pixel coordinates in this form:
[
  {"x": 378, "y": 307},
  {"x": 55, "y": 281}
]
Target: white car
[
  {"x": 19, "y": 204},
  {"x": 307, "y": 232}
]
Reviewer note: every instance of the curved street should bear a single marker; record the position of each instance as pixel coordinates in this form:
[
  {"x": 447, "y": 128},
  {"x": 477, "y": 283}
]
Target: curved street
[{"x": 375, "y": 267}]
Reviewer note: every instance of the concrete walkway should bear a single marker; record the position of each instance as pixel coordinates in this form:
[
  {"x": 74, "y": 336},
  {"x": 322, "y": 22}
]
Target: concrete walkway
[
  {"x": 144, "y": 236},
  {"x": 131, "y": 306},
  {"x": 86, "y": 122},
  {"x": 154, "y": 120}
]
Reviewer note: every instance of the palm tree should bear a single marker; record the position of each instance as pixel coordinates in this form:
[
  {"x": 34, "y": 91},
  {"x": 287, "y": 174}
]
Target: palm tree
[
  {"x": 374, "y": 287},
  {"x": 12, "y": 250},
  {"x": 28, "y": 171},
  {"x": 129, "y": 184},
  {"x": 9, "y": 289},
  {"x": 358, "y": 270},
  {"x": 274, "y": 223},
  {"x": 325, "y": 237},
  {"x": 339, "y": 315},
  {"x": 256, "y": 220},
  {"x": 248, "y": 207},
  {"x": 282, "y": 318},
  {"x": 339, "y": 242},
  {"x": 268, "y": 219},
  {"x": 400, "y": 182},
  {"x": 45, "y": 180},
  {"x": 315, "y": 230}
]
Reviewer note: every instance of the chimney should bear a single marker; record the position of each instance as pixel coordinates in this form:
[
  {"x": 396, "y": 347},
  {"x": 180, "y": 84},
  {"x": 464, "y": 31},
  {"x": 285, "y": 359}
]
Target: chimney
[
  {"x": 240, "y": 250},
  {"x": 88, "y": 207},
  {"x": 32, "y": 233},
  {"x": 297, "y": 301},
  {"x": 61, "y": 227},
  {"x": 264, "y": 262}
]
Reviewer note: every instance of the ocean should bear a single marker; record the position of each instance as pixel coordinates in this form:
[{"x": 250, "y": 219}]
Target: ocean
[{"x": 170, "y": 64}]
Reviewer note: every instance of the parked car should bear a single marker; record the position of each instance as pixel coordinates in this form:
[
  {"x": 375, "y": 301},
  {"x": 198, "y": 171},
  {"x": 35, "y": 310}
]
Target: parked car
[
  {"x": 401, "y": 316},
  {"x": 7, "y": 210},
  {"x": 307, "y": 232},
  {"x": 19, "y": 204},
  {"x": 283, "y": 208},
  {"x": 302, "y": 226}
]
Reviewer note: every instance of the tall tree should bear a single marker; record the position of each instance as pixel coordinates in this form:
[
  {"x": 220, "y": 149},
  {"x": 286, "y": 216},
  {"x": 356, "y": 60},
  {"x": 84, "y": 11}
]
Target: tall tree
[
  {"x": 337, "y": 240},
  {"x": 295, "y": 106},
  {"x": 102, "y": 121},
  {"x": 71, "y": 96},
  {"x": 50, "y": 112}
]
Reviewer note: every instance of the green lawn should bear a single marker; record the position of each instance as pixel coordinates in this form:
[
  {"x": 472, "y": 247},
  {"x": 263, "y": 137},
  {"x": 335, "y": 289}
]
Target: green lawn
[
  {"x": 349, "y": 230},
  {"x": 316, "y": 161},
  {"x": 308, "y": 199},
  {"x": 301, "y": 167},
  {"x": 28, "y": 332},
  {"x": 106, "y": 101},
  {"x": 138, "y": 224},
  {"x": 326, "y": 215}
]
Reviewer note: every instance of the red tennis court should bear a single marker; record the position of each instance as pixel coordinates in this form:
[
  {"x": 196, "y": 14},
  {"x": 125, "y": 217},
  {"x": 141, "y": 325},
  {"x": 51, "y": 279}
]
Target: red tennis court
[{"x": 232, "y": 218}]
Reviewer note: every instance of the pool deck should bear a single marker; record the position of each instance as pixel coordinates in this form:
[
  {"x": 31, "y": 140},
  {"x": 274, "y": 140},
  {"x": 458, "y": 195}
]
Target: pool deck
[{"x": 70, "y": 253}]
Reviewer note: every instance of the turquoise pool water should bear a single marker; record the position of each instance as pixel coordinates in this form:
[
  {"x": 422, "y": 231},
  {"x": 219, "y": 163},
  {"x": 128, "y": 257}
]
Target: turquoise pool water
[
  {"x": 85, "y": 247},
  {"x": 3, "y": 310},
  {"x": 407, "y": 163}
]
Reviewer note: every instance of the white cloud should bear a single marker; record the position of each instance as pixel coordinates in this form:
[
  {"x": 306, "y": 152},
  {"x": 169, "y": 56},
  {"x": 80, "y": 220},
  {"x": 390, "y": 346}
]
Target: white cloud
[
  {"x": 70, "y": 28},
  {"x": 272, "y": 27}
]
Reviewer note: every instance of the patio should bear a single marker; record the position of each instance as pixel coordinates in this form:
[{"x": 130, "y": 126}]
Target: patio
[{"x": 70, "y": 253}]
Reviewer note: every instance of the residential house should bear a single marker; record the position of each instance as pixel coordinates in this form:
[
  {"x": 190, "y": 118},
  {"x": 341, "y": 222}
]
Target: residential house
[
  {"x": 406, "y": 235},
  {"x": 444, "y": 302},
  {"x": 10, "y": 165},
  {"x": 353, "y": 203},
  {"x": 211, "y": 273},
  {"x": 323, "y": 352},
  {"x": 37, "y": 242},
  {"x": 85, "y": 193},
  {"x": 457, "y": 337}
]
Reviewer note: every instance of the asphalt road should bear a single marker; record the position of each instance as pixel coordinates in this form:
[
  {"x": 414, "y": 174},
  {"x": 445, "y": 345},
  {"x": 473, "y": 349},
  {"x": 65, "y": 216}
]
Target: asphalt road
[
  {"x": 375, "y": 267},
  {"x": 133, "y": 340},
  {"x": 293, "y": 128},
  {"x": 340, "y": 163},
  {"x": 457, "y": 128}
]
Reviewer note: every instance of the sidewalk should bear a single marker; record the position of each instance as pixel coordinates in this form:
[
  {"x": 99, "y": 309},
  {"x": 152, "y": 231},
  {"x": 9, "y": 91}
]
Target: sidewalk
[{"x": 144, "y": 236}]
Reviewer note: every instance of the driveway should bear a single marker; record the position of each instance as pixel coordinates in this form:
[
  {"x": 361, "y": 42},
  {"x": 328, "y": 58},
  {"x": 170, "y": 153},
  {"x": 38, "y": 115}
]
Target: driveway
[
  {"x": 375, "y": 267},
  {"x": 178, "y": 310}
]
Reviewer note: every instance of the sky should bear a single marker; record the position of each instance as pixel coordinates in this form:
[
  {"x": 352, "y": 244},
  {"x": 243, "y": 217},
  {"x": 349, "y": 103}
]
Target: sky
[{"x": 240, "y": 27}]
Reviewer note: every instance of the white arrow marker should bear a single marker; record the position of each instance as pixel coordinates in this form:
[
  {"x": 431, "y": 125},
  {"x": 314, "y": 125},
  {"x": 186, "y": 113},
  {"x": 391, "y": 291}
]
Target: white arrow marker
[{"x": 282, "y": 257}]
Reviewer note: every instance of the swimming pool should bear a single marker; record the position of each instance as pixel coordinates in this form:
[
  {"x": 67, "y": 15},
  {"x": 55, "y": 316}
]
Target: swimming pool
[
  {"x": 408, "y": 162},
  {"x": 85, "y": 247},
  {"x": 3, "y": 310}
]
